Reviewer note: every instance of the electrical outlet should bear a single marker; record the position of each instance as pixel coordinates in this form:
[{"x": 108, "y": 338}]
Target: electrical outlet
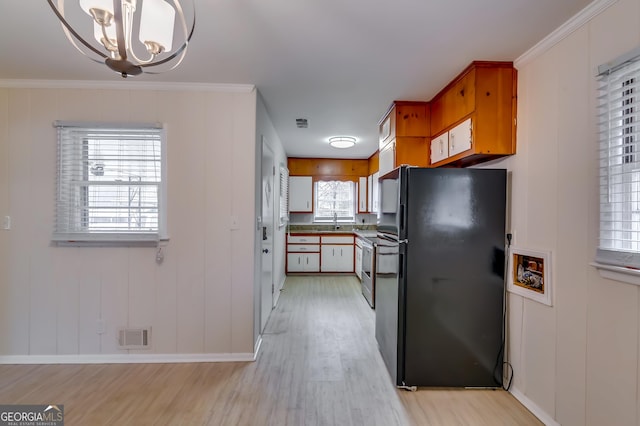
[{"x": 101, "y": 326}]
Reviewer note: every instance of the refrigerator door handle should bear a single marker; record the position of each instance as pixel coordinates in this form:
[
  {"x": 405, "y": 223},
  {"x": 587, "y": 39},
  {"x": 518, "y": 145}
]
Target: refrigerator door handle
[
  {"x": 401, "y": 266},
  {"x": 401, "y": 216}
]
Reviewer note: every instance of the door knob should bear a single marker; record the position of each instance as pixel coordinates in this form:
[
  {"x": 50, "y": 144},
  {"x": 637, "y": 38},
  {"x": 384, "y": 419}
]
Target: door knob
[{"x": 265, "y": 250}]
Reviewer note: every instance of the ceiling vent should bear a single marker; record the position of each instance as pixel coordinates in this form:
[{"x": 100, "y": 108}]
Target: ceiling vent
[{"x": 302, "y": 123}]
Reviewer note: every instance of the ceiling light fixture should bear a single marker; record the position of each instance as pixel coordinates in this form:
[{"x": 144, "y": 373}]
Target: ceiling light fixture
[
  {"x": 342, "y": 141},
  {"x": 114, "y": 22}
]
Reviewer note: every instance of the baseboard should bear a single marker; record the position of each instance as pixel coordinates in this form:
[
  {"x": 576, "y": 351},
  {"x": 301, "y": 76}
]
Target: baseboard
[
  {"x": 542, "y": 415},
  {"x": 130, "y": 358}
]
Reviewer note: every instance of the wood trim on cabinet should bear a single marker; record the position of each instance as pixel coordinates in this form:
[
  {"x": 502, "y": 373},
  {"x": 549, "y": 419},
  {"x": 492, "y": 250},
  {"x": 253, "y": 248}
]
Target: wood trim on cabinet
[{"x": 374, "y": 162}]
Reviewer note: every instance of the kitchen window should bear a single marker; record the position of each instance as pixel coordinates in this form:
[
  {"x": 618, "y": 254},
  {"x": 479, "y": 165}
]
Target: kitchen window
[
  {"x": 619, "y": 130},
  {"x": 110, "y": 185},
  {"x": 334, "y": 200}
]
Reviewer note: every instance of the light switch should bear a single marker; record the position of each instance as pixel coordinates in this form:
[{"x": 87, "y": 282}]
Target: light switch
[{"x": 6, "y": 223}]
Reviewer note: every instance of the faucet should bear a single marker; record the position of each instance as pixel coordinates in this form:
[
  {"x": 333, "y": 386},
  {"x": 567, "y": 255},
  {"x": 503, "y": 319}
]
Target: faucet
[{"x": 335, "y": 221}]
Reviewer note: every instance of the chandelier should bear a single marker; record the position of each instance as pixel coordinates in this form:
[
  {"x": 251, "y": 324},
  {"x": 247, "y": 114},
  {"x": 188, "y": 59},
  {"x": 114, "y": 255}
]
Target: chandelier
[{"x": 114, "y": 24}]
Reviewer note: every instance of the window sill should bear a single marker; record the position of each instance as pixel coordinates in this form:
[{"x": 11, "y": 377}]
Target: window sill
[{"x": 618, "y": 273}]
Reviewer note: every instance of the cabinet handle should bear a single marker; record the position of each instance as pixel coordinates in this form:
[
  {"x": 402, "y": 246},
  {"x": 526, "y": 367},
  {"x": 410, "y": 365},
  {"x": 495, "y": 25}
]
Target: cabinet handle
[
  {"x": 453, "y": 143},
  {"x": 307, "y": 260},
  {"x": 441, "y": 146}
]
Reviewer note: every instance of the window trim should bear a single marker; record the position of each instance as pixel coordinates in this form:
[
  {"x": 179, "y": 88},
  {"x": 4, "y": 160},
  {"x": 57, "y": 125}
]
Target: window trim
[{"x": 101, "y": 239}]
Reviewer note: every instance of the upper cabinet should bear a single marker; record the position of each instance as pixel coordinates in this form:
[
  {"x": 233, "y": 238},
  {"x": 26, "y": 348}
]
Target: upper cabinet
[
  {"x": 404, "y": 135},
  {"x": 300, "y": 194},
  {"x": 473, "y": 119}
]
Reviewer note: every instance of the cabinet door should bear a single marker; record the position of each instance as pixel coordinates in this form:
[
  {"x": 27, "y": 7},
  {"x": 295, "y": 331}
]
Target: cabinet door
[
  {"x": 440, "y": 148},
  {"x": 328, "y": 258},
  {"x": 311, "y": 262},
  {"x": 387, "y": 159},
  {"x": 359, "y": 262},
  {"x": 460, "y": 138},
  {"x": 362, "y": 195},
  {"x": 374, "y": 193},
  {"x": 345, "y": 258},
  {"x": 370, "y": 193},
  {"x": 300, "y": 194},
  {"x": 295, "y": 262}
]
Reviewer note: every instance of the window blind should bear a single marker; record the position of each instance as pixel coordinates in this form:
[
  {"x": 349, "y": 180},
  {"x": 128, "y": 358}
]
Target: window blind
[
  {"x": 109, "y": 183},
  {"x": 619, "y": 148}
]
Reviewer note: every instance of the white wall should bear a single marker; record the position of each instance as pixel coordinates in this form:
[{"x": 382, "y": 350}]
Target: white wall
[
  {"x": 200, "y": 300},
  {"x": 577, "y": 361}
]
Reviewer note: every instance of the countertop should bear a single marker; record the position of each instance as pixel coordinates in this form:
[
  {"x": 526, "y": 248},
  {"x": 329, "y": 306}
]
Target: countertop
[{"x": 368, "y": 234}]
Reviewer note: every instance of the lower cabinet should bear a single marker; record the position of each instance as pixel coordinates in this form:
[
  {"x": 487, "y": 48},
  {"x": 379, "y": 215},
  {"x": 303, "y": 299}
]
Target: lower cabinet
[
  {"x": 303, "y": 262},
  {"x": 336, "y": 258}
]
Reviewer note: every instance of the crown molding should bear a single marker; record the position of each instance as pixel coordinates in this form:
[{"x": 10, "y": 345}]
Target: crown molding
[
  {"x": 128, "y": 85},
  {"x": 563, "y": 31}
]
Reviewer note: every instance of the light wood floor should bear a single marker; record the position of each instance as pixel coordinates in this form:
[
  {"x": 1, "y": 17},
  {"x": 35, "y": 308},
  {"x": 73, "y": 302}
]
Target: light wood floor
[{"x": 319, "y": 365}]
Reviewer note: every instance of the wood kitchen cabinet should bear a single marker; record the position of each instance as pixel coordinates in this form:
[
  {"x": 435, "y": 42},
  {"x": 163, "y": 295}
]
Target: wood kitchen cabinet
[
  {"x": 300, "y": 194},
  {"x": 404, "y": 135},
  {"x": 473, "y": 117}
]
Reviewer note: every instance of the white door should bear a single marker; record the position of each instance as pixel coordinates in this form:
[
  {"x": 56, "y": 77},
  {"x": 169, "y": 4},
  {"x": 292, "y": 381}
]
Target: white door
[{"x": 266, "y": 233}]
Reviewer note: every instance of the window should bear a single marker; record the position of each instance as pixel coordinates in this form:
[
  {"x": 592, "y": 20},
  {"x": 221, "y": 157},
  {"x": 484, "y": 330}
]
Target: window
[
  {"x": 334, "y": 200},
  {"x": 110, "y": 183},
  {"x": 619, "y": 129}
]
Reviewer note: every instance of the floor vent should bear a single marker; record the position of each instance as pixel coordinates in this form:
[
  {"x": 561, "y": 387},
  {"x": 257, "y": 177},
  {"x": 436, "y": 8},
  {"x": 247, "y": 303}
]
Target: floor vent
[{"x": 134, "y": 338}]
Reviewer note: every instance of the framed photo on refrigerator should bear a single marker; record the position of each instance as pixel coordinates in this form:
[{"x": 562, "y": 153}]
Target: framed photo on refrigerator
[{"x": 530, "y": 274}]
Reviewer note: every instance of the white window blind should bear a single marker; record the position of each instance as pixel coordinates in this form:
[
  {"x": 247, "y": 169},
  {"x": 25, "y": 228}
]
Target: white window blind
[
  {"x": 284, "y": 196},
  {"x": 619, "y": 136},
  {"x": 110, "y": 184},
  {"x": 334, "y": 200}
]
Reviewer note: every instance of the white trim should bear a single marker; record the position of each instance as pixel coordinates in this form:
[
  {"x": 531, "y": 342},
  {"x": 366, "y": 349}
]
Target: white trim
[
  {"x": 126, "y": 85},
  {"x": 564, "y": 30},
  {"x": 618, "y": 273},
  {"x": 542, "y": 415},
  {"x": 129, "y": 358}
]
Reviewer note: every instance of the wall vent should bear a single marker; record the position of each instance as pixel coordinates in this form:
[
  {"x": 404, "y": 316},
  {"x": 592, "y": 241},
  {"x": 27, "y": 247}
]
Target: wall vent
[
  {"x": 302, "y": 123},
  {"x": 134, "y": 338}
]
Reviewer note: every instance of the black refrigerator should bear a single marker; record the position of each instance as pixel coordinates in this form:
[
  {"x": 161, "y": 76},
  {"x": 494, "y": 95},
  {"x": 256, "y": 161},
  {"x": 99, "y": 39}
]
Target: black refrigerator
[{"x": 440, "y": 276}]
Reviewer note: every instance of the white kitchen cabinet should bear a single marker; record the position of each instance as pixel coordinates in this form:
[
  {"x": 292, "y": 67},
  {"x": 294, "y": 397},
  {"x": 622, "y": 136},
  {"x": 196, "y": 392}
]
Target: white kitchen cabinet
[
  {"x": 303, "y": 262},
  {"x": 374, "y": 192},
  {"x": 362, "y": 195},
  {"x": 451, "y": 143},
  {"x": 440, "y": 147},
  {"x": 387, "y": 158},
  {"x": 370, "y": 193},
  {"x": 336, "y": 258},
  {"x": 300, "y": 194},
  {"x": 460, "y": 138}
]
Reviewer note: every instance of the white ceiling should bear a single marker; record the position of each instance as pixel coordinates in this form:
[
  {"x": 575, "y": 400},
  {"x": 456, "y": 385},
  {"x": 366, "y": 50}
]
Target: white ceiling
[{"x": 338, "y": 63}]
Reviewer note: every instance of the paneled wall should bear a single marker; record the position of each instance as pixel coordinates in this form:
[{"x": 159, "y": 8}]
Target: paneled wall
[
  {"x": 578, "y": 361},
  {"x": 200, "y": 299}
]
